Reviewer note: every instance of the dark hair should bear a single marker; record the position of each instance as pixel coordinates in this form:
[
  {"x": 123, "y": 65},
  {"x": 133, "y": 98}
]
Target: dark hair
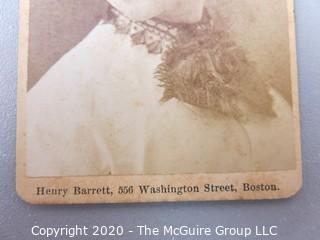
[{"x": 207, "y": 69}]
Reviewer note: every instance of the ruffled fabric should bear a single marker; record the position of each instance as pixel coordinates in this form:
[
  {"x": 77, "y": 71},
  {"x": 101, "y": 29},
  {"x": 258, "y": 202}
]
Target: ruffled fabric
[{"x": 201, "y": 65}]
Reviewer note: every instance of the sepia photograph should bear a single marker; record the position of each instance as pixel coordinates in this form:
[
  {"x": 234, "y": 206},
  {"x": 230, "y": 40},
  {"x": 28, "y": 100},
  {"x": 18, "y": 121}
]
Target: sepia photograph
[
  {"x": 159, "y": 119},
  {"x": 159, "y": 88}
]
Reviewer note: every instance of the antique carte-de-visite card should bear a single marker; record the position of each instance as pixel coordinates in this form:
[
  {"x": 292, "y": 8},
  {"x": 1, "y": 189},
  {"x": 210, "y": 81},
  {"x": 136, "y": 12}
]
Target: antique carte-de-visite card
[{"x": 147, "y": 101}]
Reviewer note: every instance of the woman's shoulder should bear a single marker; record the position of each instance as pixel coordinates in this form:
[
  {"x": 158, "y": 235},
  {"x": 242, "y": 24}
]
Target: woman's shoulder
[
  {"x": 282, "y": 113},
  {"x": 260, "y": 142},
  {"x": 275, "y": 128},
  {"x": 272, "y": 138}
]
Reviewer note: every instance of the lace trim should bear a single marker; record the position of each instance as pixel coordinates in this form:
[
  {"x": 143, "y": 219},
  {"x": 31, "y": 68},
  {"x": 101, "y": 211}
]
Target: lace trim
[
  {"x": 156, "y": 34},
  {"x": 201, "y": 65}
]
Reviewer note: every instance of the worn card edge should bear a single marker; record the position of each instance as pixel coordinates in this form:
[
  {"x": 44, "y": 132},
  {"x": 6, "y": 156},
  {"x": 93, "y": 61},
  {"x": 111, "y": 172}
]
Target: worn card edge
[{"x": 24, "y": 183}]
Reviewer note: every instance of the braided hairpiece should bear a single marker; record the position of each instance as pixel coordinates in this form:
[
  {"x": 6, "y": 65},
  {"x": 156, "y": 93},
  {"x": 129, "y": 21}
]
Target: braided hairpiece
[
  {"x": 206, "y": 68},
  {"x": 201, "y": 65}
]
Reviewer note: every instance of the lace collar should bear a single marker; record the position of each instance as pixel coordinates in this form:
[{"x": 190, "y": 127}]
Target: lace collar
[
  {"x": 201, "y": 65},
  {"x": 156, "y": 34}
]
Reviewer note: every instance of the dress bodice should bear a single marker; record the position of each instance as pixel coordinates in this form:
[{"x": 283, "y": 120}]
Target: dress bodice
[{"x": 98, "y": 111}]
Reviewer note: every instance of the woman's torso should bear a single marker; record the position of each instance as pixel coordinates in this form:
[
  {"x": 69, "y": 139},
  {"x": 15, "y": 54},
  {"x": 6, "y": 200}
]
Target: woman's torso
[{"x": 98, "y": 111}]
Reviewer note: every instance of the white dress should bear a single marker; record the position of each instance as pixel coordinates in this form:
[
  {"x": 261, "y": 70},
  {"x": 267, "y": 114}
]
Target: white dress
[{"x": 97, "y": 112}]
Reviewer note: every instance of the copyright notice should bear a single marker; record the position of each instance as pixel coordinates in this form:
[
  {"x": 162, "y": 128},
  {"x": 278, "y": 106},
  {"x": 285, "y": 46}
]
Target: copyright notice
[{"x": 167, "y": 231}]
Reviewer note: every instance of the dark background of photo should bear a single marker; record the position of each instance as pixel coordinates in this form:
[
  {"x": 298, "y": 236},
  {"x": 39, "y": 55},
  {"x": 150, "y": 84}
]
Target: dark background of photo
[{"x": 298, "y": 218}]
